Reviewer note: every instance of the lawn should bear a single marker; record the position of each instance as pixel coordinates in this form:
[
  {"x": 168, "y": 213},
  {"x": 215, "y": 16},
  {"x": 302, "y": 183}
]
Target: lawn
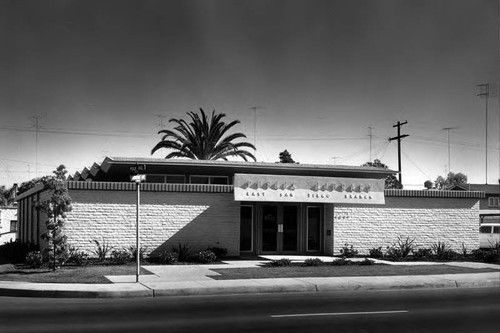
[
  {"x": 66, "y": 274},
  {"x": 335, "y": 271},
  {"x": 96, "y": 273}
]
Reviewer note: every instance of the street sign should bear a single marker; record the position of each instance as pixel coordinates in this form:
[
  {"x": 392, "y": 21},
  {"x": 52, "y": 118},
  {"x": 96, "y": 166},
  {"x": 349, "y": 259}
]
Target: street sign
[{"x": 138, "y": 178}]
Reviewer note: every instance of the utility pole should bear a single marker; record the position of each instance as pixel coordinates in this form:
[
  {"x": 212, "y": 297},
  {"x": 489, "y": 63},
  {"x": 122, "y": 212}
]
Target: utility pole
[
  {"x": 399, "y": 137},
  {"x": 484, "y": 90},
  {"x": 37, "y": 130},
  {"x": 161, "y": 119},
  {"x": 255, "y": 108},
  {"x": 370, "y": 135},
  {"x": 449, "y": 154}
]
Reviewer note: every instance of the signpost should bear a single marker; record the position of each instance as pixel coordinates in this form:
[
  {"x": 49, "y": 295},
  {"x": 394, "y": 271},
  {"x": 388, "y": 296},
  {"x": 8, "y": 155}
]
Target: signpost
[{"x": 138, "y": 178}]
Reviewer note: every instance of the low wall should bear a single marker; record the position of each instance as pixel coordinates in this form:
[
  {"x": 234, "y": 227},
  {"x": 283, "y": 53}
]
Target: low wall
[{"x": 426, "y": 219}]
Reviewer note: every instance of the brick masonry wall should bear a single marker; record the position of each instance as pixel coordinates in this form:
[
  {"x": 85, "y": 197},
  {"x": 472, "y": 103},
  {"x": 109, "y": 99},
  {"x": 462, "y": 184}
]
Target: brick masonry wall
[
  {"x": 428, "y": 220},
  {"x": 167, "y": 219}
]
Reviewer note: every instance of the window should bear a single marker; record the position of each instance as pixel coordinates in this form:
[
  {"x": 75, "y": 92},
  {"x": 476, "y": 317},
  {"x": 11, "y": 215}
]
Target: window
[
  {"x": 170, "y": 179},
  {"x": 218, "y": 180},
  {"x": 485, "y": 229},
  {"x": 199, "y": 180},
  {"x": 13, "y": 226},
  {"x": 493, "y": 201},
  {"x": 214, "y": 180},
  {"x": 155, "y": 179},
  {"x": 313, "y": 228},
  {"x": 246, "y": 228},
  {"x": 175, "y": 179}
]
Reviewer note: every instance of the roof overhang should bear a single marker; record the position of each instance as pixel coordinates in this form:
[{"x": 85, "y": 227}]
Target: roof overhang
[{"x": 119, "y": 165}]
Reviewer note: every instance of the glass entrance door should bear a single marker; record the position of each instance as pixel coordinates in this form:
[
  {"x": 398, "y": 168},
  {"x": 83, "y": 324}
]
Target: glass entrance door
[
  {"x": 269, "y": 228},
  {"x": 280, "y": 228},
  {"x": 290, "y": 228}
]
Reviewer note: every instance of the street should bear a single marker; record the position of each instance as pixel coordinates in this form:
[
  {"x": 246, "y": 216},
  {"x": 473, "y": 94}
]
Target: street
[{"x": 439, "y": 310}]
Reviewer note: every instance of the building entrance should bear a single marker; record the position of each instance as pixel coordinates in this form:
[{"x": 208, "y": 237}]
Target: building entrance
[{"x": 280, "y": 228}]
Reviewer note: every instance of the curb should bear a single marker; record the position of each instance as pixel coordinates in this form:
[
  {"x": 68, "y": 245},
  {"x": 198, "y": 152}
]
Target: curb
[
  {"x": 256, "y": 286},
  {"x": 48, "y": 290}
]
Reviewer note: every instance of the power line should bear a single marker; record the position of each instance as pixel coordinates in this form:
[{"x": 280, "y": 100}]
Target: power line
[
  {"x": 285, "y": 138},
  {"x": 79, "y": 132},
  {"x": 416, "y": 166}
]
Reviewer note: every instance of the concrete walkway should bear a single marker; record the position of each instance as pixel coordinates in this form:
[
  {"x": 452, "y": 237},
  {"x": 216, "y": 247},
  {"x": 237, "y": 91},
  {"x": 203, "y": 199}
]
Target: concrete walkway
[{"x": 180, "y": 280}]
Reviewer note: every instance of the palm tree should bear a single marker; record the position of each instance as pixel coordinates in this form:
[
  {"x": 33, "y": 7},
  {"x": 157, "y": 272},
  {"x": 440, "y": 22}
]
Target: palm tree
[{"x": 203, "y": 140}]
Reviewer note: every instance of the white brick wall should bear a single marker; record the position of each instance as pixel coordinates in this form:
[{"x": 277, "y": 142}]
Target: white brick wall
[
  {"x": 167, "y": 219},
  {"x": 428, "y": 220}
]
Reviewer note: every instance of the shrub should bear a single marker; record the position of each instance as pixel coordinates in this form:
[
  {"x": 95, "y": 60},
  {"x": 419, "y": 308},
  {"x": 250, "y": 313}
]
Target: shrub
[
  {"x": 464, "y": 250},
  {"x": 220, "y": 252},
  {"x": 102, "y": 249},
  {"x": 183, "y": 251},
  {"x": 401, "y": 249},
  {"x": 442, "y": 251},
  {"x": 206, "y": 257},
  {"x": 15, "y": 252},
  {"x": 495, "y": 247},
  {"x": 376, "y": 252},
  {"x": 77, "y": 257},
  {"x": 487, "y": 256},
  {"x": 169, "y": 257},
  {"x": 121, "y": 257},
  {"x": 366, "y": 262},
  {"x": 341, "y": 262},
  {"x": 422, "y": 253},
  {"x": 61, "y": 255},
  {"x": 133, "y": 252},
  {"x": 34, "y": 259},
  {"x": 313, "y": 262},
  {"x": 279, "y": 263},
  {"x": 348, "y": 251}
]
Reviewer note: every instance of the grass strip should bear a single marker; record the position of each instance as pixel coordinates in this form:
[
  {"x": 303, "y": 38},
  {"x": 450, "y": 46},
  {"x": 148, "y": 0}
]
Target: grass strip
[
  {"x": 68, "y": 274},
  {"x": 339, "y": 271}
]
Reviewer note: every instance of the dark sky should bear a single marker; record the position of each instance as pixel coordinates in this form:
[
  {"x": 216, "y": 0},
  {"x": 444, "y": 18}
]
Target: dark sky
[{"x": 99, "y": 72}]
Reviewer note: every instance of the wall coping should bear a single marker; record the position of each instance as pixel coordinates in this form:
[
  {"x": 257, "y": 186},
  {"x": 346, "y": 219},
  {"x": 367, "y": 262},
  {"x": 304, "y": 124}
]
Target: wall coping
[
  {"x": 203, "y": 188},
  {"x": 149, "y": 187},
  {"x": 434, "y": 194}
]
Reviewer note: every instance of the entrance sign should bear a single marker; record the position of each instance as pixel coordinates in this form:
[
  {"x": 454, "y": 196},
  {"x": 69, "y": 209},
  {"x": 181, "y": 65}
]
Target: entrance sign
[{"x": 251, "y": 187}]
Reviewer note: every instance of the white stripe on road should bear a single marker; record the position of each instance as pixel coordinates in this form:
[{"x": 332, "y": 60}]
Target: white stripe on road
[{"x": 338, "y": 314}]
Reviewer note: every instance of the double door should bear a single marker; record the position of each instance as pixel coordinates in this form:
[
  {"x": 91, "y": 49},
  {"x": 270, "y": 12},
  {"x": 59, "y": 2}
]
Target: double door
[{"x": 280, "y": 228}]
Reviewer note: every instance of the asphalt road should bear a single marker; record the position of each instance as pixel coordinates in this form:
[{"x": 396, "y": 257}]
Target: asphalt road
[{"x": 450, "y": 310}]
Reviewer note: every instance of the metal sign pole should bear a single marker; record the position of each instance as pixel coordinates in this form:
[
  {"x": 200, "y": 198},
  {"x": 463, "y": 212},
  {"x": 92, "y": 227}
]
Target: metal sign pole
[
  {"x": 138, "y": 257},
  {"x": 137, "y": 177}
]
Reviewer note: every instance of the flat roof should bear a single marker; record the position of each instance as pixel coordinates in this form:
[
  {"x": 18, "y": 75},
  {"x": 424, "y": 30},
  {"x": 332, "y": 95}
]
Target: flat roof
[{"x": 111, "y": 164}]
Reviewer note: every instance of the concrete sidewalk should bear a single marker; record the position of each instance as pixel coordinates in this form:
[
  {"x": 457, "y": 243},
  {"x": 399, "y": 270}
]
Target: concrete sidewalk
[{"x": 195, "y": 280}]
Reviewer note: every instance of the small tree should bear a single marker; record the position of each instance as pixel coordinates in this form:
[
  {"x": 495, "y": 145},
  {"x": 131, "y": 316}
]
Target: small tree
[
  {"x": 60, "y": 172},
  {"x": 452, "y": 179},
  {"x": 428, "y": 184},
  {"x": 391, "y": 182},
  {"x": 286, "y": 157},
  {"x": 55, "y": 207}
]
